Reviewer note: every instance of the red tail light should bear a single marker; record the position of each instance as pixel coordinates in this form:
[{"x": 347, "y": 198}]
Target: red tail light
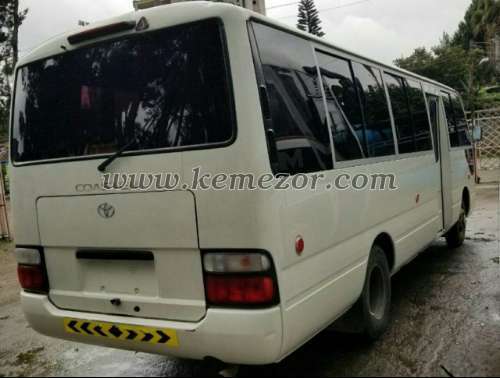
[
  {"x": 31, "y": 270},
  {"x": 242, "y": 278},
  {"x": 240, "y": 290},
  {"x": 32, "y": 278}
]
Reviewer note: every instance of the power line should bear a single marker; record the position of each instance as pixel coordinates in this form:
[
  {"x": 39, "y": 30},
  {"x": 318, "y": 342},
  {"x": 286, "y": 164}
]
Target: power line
[
  {"x": 320, "y": 9},
  {"x": 344, "y": 6},
  {"x": 283, "y": 5}
]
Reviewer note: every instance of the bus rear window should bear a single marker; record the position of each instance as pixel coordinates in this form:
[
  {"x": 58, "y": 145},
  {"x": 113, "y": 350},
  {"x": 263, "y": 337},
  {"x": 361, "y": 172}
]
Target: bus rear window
[{"x": 166, "y": 89}]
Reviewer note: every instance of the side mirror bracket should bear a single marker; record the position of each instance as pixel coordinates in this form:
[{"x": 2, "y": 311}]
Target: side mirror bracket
[{"x": 477, "y": 134}]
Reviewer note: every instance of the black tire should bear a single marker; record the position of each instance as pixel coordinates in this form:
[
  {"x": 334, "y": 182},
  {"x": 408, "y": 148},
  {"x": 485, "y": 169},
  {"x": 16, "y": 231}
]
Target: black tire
[
  {"x": 455, "y": 237},
  {"x": 375, "y": 301}
]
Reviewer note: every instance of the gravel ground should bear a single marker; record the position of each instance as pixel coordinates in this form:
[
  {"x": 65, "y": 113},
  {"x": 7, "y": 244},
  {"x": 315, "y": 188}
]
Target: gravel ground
[{"x": 446, "y": 317}]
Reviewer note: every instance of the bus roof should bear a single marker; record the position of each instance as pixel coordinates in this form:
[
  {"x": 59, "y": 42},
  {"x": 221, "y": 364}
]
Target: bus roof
[{"x": 198, "y": 10}]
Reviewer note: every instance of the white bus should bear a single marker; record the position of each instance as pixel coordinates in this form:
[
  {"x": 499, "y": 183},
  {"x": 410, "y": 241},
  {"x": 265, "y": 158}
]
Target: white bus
[{"x": 240, "y": 276}]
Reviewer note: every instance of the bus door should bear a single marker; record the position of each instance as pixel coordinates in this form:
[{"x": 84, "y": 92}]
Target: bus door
[
  {"x": 440, "y": 134},
  {"x": 435, "y": 118}
]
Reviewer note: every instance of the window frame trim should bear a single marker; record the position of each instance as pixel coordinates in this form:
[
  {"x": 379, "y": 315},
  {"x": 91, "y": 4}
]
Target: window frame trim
[
  {"x": 406, "y": 84},
  {"x": 156, "y": 151},
  {"x": 387, "y": 101},
  {"x": 330, "y": 125},
  {"x": 462, "y": 108},
  {"x": 447, "y": 94},
  {"x": 391, "y": 113},
  {"x": 368, "y": 160},
  {"x": 257, "y": 60},
  {"x": 325, "y": 105},
  {"x": 324, "y": 47},
  {"x": 424, "y": 95},
  {"x": 436, "y": 146},
  {"x": 404, "y": 88},
  {"x": 260, "y": 82}
]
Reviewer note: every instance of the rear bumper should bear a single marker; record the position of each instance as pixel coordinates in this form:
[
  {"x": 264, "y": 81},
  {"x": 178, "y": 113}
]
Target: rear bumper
[{"x": 232, "y": 336}]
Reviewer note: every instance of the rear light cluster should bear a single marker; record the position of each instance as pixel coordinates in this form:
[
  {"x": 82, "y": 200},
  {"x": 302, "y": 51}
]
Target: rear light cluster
[
  {"x": 31, "y": 270},
  {"x": 240, "y": 279}
]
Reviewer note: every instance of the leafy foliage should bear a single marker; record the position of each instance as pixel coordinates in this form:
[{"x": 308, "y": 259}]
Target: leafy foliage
[
  {"x": 308, "y": 18},
  {"x": 480, "y": 23},
  {"x": 456, "y": 61},
  {"x": 10, "y": 20}
]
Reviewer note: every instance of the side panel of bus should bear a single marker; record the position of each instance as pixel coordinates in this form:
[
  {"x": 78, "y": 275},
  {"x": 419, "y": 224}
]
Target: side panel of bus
[
  {"x": 338, "y": 226},
  {"x": 460, "y": 171},
  {"x": 449, "y": 218}
]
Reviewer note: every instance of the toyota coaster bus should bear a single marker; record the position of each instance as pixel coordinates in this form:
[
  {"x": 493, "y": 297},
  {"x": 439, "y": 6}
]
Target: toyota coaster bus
[{"x": 240, "y": 276}]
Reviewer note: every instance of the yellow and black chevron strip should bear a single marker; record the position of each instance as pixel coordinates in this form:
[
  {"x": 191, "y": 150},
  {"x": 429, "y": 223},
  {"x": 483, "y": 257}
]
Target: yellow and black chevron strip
[{"x": 124, "y": 332}]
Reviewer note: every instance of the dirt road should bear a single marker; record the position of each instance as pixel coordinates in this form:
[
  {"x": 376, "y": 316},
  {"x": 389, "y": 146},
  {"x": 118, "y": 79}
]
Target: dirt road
[{"x": 446, "y": 315}]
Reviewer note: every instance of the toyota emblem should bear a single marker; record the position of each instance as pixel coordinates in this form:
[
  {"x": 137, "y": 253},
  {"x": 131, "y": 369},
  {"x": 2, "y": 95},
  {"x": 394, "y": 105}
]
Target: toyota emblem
[{"x": 106, "y": 210}]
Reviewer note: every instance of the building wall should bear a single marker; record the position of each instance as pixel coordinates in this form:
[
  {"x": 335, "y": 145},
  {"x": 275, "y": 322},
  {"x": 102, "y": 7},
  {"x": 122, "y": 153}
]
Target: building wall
[
  {"x": 141, "y": 4},
  {"x": 255, "y": 5}
]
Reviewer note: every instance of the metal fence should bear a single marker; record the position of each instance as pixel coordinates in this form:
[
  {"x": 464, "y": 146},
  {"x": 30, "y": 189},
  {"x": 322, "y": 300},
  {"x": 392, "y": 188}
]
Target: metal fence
[{"x": 488, "y": 149}]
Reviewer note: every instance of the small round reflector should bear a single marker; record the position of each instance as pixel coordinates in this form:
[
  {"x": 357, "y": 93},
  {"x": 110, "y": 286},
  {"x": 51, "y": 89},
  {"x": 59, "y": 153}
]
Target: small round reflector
[{"x": 299, "y": 245}]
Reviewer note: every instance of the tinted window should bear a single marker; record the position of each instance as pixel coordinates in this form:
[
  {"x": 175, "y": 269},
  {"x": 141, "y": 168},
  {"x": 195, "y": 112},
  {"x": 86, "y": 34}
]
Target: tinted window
[
  {"x": 378, "y": 128},
  {"x": 343, "y": 108},
  {"x": 420, "y": 119},
  {"x": 296, "y": 103},
  {"x": 401, "y": 112},
  {"x": 462, "y": 137},
  {"x": 450, "y": 117},
  {"x": 434, "y": 116},
  {"x": 162, "y": 89},
  {"x": 457, "y": 122}
]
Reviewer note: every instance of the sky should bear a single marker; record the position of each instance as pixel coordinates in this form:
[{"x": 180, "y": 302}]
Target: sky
[{"x": 381, "y": 29}]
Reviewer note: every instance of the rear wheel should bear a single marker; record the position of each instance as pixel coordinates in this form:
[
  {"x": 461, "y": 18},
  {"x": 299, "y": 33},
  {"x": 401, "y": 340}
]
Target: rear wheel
[
  {"x": 456, "y": 236},
  {"x": 375, "y": 302}
]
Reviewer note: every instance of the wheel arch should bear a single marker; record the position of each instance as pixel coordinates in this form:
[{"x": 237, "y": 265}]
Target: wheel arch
[
  {"x": 466, "y": 200},
  {"x": 384, "y": 241}
]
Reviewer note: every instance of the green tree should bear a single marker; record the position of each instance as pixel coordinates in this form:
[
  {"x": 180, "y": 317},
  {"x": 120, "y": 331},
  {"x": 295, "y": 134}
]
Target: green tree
[
  {"x": 458, "y": 63},
  {"x": 480, "y": 24},
  {"x": 422, "y": 61},
  {"x": 453, "y": 66},
  {"x": 308, "y": 18},
  {"x": 11, "y": 18}
]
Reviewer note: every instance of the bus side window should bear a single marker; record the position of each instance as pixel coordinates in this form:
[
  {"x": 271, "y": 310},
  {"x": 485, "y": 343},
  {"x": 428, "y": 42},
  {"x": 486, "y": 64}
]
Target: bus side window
[
  {"x": 295, "y": 100},
  {"x": 433, "y": 113},
  {"x": 463, "y": 136},
  {"x": 423, "y": 141},
  {"x": 450, "y": 119},
  {"x": 402, "y": 115},
  {"x": 379, "y": 135},
  {"x": 344, "y": 109}
]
